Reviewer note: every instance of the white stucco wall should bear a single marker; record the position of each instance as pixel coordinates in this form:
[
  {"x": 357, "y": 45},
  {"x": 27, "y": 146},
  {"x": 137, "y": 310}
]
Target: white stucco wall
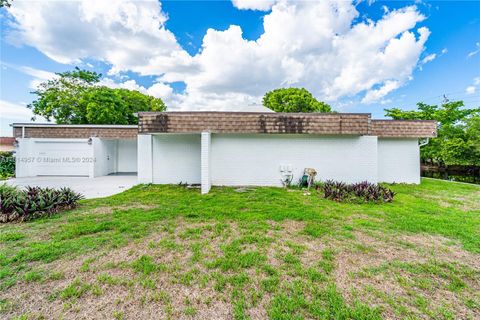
[
  {"x": 255, "y": 159},
  {"x": 176, "y": 158},
  {"x": 105, "y": 155},
  {"x": 398, "y": 160},
  {"x": 126, "y": 155}
]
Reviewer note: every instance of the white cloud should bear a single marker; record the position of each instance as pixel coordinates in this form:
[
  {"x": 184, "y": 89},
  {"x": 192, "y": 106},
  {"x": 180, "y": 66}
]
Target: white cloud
[
  {"x": 470, "y": 89},
  {"x": 129, "y": 35},
  {"x": 14, "y": 112},
  {"x": 38, "y": 75},
  {"x": 261, "y": 5},
  {"x": 473, "y": 88},
  {"x": 375, "y": 95},
  {"x": 318, "y": 45},
  {"x": 158, "y": 90},
  {"x": 429, "y": 58},
  {"x": 333, "y": 59},
  {"x": 474, "y": 52}
]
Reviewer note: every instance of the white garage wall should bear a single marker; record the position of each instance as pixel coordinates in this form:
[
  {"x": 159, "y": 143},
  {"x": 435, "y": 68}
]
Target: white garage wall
[
  {"x": 398, "y": 160},
  {"x": 53, "y": 157},
  {"x": 176, "y": 158},
  {"x": 127, "y": 155},
  {"x": 254, "y": 159}
]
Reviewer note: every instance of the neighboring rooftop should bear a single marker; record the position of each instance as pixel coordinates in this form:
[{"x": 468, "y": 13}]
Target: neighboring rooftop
[
  {"x": 7, "y": 143},
  {"x": 274, "y": 123}
]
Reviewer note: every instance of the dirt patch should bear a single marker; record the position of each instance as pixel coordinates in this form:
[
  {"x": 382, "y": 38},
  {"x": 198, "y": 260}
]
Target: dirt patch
[
  {"x": 172, "y": 274},
  {"x": 397, "y": 273},
  {"x": 110, "y": 209}
]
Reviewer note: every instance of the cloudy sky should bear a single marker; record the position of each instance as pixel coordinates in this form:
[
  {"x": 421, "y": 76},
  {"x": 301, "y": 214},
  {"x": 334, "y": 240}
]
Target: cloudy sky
[{"x": 359, "y": 56}]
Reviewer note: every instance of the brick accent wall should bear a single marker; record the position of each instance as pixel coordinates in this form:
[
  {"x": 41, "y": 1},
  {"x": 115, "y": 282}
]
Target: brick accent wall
[
  {"x": 76, "y": 132},
  {"x": 244, "y": 122},
  {"x": 404, "y": 128}
]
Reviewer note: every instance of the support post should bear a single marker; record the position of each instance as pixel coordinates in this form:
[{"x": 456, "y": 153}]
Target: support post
[
  {"x": 94, "y": 144},
  {"x": 205, "y": 162},
  {"x": 145, "y": 158}
]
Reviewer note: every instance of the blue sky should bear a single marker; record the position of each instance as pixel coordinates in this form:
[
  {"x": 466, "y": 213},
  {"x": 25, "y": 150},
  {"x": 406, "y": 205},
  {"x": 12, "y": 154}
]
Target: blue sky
[{"x": 223, "y": 55}]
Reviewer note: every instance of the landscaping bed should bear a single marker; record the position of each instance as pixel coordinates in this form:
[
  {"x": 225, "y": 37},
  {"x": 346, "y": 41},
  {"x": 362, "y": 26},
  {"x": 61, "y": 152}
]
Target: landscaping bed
[{"x": 168, "y": 252}]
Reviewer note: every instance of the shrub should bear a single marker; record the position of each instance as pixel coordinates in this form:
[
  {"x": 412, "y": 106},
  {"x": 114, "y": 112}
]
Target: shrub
[
  {"x": 357, "y": 192},
  {"x": 7, "y": 165},
  {"x": 34, "y": 202}
]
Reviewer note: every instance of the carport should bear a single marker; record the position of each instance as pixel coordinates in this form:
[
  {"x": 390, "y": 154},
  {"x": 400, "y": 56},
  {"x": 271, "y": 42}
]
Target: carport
[{"x": 75, "y": 150}]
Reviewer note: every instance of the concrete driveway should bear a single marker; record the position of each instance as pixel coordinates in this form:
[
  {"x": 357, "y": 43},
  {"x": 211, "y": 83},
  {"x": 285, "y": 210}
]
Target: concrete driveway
[{"x": 90, "y": 187}]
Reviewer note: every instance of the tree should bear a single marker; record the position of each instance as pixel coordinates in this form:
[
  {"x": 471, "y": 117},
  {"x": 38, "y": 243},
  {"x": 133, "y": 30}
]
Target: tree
[
  {"x": 117, "y": 106},
  {"x": 75, "y": 97},
  {"x": 5, "y": 3},
  {"x": 458, "y": 133},
  {"x": 293, "y": 100}
]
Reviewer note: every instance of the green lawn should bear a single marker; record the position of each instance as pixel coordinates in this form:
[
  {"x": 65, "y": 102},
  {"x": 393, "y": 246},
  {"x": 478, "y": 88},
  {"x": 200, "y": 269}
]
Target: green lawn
[{"x": 169, "y": 252}]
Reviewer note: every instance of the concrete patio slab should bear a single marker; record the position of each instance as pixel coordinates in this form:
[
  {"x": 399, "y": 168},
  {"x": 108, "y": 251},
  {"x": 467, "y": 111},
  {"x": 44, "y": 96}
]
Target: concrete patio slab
[{"x": 90, "y": 187}]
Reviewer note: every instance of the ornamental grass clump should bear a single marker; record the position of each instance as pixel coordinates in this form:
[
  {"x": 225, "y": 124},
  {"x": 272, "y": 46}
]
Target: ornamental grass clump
[
  {"x": 33, "y": 202},
  {"x": 357, "y": 192}
]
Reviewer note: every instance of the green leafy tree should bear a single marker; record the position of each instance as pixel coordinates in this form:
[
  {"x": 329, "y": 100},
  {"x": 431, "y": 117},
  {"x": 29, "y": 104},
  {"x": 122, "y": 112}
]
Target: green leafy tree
[
  {"x": 75, "y": 97},
  {"x": 293, "y": 100},
  {"x": 458, "y": 132}
]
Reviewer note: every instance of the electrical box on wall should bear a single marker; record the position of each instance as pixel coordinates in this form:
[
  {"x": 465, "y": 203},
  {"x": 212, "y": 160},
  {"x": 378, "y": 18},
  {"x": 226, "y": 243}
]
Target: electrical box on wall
[{"x": 286, "y": 173}]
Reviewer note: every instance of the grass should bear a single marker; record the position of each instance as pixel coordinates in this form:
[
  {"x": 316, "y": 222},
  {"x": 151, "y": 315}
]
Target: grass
[{"x": 263, "y": 252}]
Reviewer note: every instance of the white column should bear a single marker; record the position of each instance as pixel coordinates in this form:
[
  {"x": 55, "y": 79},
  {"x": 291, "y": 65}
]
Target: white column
[
  {"x": 94, "y": 153},
  {"x": 205, "y": 162},
  {"x": 145, "y": 158}
]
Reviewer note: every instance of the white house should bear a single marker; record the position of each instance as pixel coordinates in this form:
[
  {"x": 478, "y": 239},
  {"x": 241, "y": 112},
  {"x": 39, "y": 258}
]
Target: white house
[{"x": 229, "y": 148}]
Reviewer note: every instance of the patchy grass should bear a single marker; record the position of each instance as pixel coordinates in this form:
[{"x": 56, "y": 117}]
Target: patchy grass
[{"x": 169, "y": 252}]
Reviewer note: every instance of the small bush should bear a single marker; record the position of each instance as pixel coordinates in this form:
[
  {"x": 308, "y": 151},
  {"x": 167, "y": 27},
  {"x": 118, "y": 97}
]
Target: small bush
[
  {"x": 357, "y": 192},
  {"x": 33, "y": 202},
  {"x": 7, "y": 165}
]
